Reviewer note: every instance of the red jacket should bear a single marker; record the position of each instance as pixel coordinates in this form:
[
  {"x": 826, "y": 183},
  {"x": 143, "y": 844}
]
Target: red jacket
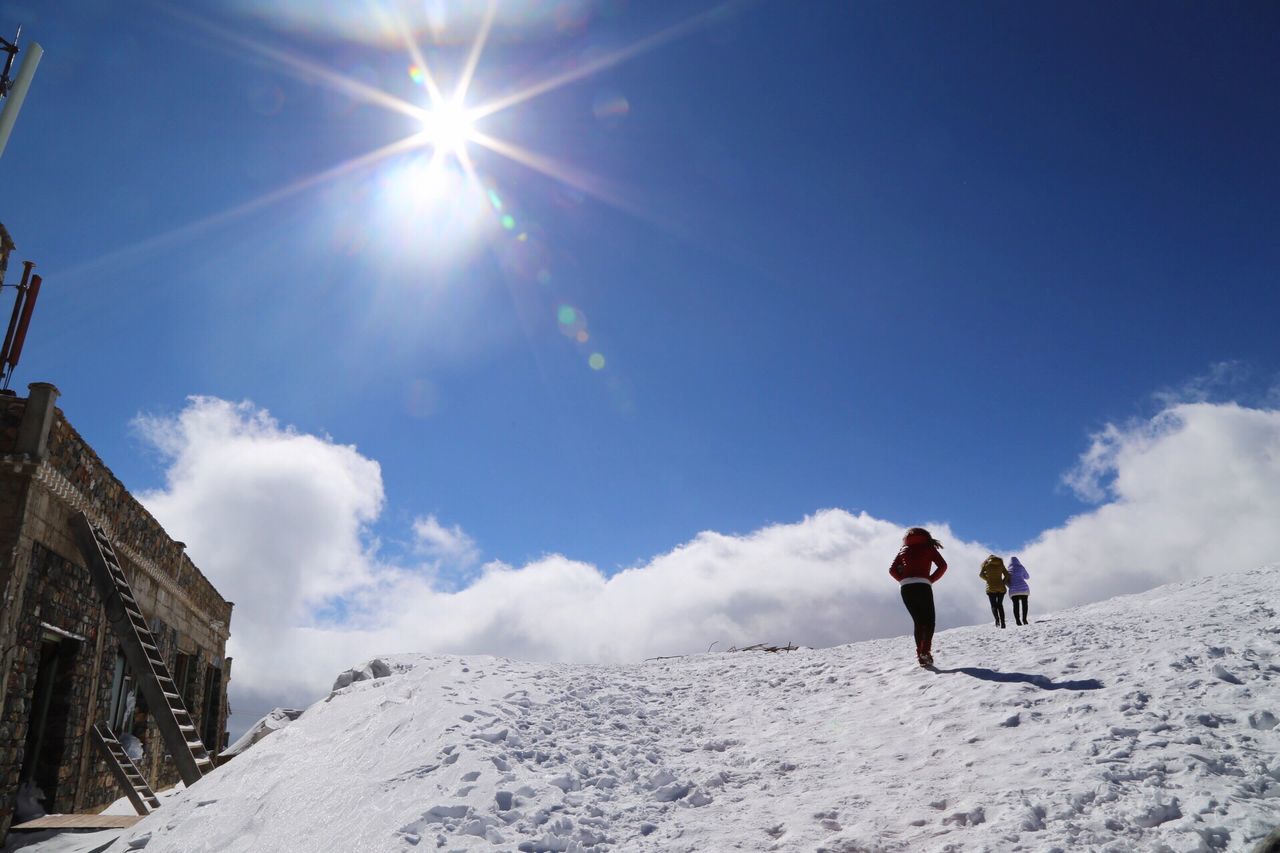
[{"x": 916, "y": 559}]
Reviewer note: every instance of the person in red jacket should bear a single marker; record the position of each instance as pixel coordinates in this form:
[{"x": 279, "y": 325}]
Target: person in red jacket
[{"x": 914, "y": 572}]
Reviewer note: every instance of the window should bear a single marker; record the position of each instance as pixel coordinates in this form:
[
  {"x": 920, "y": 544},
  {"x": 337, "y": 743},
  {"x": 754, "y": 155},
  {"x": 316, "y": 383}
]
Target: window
[
  {"x": 122, "y": 696},
  {"x": 184, "y": 676}
]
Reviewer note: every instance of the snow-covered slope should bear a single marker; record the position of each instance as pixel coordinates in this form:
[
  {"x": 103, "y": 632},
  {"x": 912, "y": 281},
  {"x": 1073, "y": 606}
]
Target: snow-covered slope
[{"x": 1140, "y": 722}]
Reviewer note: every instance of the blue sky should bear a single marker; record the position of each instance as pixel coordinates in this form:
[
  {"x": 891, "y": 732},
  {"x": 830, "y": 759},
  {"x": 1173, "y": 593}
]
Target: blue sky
[{"x": 894, "y": 257}]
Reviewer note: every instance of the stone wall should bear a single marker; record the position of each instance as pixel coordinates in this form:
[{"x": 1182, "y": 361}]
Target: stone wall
[
  {"x": 44, "y": 481},
  {"x": 72, "y": 463},
  {"x": 11, "y": 409},
  {"x": 56, "y": 592}
]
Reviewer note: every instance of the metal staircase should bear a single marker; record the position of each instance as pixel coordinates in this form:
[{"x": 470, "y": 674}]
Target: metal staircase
[
  {"x": 140, "y": 650},
  {"x": 127, "y": 774}
]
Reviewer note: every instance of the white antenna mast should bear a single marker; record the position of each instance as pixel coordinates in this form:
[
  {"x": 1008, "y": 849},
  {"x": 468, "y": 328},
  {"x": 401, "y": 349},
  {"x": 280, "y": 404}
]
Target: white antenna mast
[{"x": 15, "y": 91}]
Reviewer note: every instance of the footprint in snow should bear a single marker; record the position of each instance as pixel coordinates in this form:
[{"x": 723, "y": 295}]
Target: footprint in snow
[
  {"x": 1263, "y": 720},
  {"x": 1222, "y": 673}
]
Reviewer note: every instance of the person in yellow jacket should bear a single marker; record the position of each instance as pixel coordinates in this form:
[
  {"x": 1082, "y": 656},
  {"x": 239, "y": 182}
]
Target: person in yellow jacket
[{"x": 997, "y": 578}]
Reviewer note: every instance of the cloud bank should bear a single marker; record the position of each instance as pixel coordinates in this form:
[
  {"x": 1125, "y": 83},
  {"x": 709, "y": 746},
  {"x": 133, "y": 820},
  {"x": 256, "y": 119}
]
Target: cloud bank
[{"x": 279, "y": 521}]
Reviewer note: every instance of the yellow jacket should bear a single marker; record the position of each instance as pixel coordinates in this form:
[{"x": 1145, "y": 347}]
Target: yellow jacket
[{"x": 995, "y": 574}]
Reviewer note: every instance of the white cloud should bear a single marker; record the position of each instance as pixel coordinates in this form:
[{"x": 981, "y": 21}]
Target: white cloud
[
  {"x": 279, "y": 522},
  {"x": 275, "y": 518},
  {"x": 1194, "y": 491},
  {"x": 1223, "y": 380},
  {"x": 444, "y": 545}
]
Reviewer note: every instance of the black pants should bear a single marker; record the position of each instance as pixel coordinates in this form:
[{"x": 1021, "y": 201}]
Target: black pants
[
  {"x": 1019, "y": 603},
  {"x": 997, "y": 607},
  {"x": 919, "y": 600}
]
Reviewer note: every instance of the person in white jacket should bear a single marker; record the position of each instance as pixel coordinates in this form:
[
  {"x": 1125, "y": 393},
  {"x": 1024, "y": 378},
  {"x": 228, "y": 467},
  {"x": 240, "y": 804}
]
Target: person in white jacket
[{"x": 1019, "y": 589}]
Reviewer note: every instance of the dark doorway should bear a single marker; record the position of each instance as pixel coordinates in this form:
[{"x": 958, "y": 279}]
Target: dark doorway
[
  {"x": 50, "y": 715},
  {"x": 211, "y": 732}
]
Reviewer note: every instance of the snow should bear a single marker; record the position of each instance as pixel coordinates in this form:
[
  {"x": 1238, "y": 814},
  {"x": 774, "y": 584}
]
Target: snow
[
  {"x": 27, "y": 804},
  {"x": 273, "y": 722},
  {"x": 1143, "y": 722}
]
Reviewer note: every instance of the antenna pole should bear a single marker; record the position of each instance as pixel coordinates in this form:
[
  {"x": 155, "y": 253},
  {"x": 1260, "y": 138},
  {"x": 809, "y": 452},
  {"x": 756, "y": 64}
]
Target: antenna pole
[
  {"x": 18, "y": 300},
  {"x": 20, "y": 336},
  {"x": 16, "y": 92}
]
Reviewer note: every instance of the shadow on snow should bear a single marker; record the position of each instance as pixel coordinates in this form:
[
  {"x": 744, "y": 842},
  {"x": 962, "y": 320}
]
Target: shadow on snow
[{"x": 1041, "y": 681}]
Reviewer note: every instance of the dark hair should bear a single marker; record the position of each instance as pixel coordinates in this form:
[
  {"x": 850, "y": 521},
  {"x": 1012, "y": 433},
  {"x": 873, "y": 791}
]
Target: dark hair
[{"x": 920, "y": 531}]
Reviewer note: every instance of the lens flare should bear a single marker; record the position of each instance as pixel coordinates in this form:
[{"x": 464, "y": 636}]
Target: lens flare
[
  {"x": 596, "y": 361},
  {"x": 610, "y": 107}
]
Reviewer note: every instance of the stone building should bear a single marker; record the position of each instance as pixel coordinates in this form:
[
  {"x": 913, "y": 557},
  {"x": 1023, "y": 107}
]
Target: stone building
[{"x": 60, "y": 662}]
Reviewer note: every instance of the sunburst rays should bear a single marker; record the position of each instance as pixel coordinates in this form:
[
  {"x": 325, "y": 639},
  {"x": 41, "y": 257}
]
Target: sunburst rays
[
  {"x": 451, "y": 109},
  {"x": 448, "y": 122}
]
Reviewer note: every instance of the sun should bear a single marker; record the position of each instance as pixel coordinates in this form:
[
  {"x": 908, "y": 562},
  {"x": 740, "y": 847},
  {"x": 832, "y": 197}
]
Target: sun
[
  {"x": 443, "y": 121},
  {"x": 448, "y": 127}
]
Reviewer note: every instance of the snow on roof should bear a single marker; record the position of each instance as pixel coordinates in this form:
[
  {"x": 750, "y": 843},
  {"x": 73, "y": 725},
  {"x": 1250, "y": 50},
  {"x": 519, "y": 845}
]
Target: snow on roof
[{"x": 1142, "y": 721}]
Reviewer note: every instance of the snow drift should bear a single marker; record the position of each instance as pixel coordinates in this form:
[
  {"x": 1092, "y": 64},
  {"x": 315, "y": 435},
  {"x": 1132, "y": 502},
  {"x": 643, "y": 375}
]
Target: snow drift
[{"x": 1143, "y": 722}]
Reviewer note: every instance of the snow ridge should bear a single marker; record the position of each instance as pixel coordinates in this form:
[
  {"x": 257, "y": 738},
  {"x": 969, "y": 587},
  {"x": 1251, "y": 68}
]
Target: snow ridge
[{"x": 1143, "y": 722}]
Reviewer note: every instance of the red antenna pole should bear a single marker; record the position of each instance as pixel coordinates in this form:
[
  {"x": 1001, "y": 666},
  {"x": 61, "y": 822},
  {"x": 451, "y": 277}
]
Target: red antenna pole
[
  {"x": 17, "y": 314},
  {"x": 20, "y": 337},
  {"x": 23, "y": 305}
]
